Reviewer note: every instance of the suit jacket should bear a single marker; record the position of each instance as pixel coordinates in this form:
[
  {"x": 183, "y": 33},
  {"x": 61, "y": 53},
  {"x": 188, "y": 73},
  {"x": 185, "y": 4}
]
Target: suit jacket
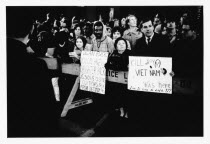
[
  {"x": 150, "y": 110},
  {"x": 159, "y": 47}
]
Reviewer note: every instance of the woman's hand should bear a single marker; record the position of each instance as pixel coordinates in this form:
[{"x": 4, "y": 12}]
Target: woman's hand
[{"x": 73, "y": 54}]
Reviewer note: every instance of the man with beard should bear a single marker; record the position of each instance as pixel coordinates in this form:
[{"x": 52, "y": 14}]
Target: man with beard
[{"x": 101, "y": 42}]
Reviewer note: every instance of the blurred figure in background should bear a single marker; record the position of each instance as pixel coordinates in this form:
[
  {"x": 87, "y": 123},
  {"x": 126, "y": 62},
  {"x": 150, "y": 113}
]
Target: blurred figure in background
[
  {"x": 31, "y": 105},
  {"x": 132, "y": 33}
]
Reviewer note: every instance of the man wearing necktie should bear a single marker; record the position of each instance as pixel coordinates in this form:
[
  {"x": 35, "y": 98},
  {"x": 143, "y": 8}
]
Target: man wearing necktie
[
  {"x": 149, "y": 112},
  {"x": 151, "y": 44}
]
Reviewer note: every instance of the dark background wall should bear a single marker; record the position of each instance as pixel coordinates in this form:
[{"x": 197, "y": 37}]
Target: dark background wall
[{"x": 92, "y": 12}]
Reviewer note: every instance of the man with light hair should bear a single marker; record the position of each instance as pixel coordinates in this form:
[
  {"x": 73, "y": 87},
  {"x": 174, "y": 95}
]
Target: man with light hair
[{"x": 132, "y": 33}]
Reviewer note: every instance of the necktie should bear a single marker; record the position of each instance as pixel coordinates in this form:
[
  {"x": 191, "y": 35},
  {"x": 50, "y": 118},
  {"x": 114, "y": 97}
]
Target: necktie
[{"x": 148, "y": 41}]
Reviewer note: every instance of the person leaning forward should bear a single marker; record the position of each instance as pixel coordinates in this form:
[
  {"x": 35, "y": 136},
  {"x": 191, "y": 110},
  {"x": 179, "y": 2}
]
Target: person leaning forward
[{"x": 31, "y": 105}]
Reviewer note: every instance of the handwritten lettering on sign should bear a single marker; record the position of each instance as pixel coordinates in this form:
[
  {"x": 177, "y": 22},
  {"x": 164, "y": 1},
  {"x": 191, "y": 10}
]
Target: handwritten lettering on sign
[
  {"x": 93, "y": 72},
  {"x": 150, "y": 74}
]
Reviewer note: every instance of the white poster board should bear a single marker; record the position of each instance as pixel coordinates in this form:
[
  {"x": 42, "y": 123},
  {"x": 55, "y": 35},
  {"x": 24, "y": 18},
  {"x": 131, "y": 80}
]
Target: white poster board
[
  {"x": 150, "y": 74},
  {"x": 93, "y": 72}
]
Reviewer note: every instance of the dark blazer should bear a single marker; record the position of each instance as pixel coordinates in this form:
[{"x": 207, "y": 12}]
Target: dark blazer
[
  {"x": 31, "y": 103},
  {"x": 149, "y": 112},
  {"x": 159, "y": 47}
]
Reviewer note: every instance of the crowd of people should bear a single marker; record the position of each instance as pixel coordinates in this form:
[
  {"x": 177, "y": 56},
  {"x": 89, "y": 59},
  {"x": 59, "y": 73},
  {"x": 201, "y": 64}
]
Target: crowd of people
[
  {"x": 65, "y": 38},
  {"x": 68, "y": 37}
]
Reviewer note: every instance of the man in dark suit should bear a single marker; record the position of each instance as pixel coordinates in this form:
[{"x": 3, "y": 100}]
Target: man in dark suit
[
  {"x": 149, "y": 112},
  {"x": 151, "y": 44},
  {"x": 31, "y": 109}
]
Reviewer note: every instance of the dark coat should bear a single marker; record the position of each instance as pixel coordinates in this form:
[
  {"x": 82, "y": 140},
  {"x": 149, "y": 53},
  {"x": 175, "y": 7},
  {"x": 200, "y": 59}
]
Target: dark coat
[
  {"x": 118, "y": 62},
  {"x": 150, "y": 112},
  {"x": 31, "y": 110},
  {"x": 159, "y": 47}
]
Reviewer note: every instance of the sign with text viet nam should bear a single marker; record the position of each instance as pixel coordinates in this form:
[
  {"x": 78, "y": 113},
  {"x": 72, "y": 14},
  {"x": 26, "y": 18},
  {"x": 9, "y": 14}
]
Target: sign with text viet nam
[
  {"x": 150, "y": 74},
  {"x": 93, "y": 72}
]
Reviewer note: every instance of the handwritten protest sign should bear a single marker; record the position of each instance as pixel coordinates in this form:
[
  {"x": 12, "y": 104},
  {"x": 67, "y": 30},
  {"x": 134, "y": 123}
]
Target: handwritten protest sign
[
  {"x": 93, "y": 72},
  {"x": 150, "y": 74}
]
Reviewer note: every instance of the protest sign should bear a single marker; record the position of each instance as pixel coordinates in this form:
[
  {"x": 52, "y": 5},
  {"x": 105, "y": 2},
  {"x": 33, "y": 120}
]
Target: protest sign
[
  {"x": 93, "y": 72},
  {"x": 150, "y": 74}
]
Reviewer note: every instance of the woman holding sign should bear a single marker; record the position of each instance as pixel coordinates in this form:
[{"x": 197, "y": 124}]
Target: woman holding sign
[{"x": 118, "y": 61}]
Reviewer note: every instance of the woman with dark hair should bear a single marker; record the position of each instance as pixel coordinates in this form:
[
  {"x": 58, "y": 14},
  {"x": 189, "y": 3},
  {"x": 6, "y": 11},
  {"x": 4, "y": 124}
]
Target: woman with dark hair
[
  {"x": 116, "y": 33},
  {"x": 79, "y": 47},
  {"x": 77, "y": 31},
  {"x": 118, "y": 61}
]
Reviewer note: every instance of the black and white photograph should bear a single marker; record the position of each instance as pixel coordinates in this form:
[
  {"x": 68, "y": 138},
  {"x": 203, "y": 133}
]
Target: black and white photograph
[{"x": 104, "y": 71}]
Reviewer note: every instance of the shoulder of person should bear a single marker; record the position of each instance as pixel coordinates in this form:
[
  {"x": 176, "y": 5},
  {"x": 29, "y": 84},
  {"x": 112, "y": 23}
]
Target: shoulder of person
[
  {"x": 126, "y": 32},
  {"x": 109, "y": 39},
  {"x": 128, "y": 51}
]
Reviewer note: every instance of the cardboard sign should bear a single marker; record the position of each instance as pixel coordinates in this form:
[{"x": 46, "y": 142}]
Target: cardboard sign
[
  {"x": 93, "y": 72},
  {"x": 150, "y": 74}
]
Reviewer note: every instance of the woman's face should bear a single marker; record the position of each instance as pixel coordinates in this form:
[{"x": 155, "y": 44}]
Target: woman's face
[
  {"x": 77, "y": 31},
  {"x": 79, "y": 43},
  {"x": 116, "y": 35},
  {"x": 121, "y": 46}
]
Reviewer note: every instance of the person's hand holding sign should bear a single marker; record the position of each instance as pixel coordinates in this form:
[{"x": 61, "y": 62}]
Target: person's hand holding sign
[{"x": 73, "y": 54}]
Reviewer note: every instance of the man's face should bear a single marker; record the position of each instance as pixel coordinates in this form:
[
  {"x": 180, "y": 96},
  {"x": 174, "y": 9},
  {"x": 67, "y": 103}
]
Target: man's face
[
  {"x": 116, "y": 23},
  {"x": 98, "y": 31},
  {"x": 187, "y": 33},
  {"x": 132, "y": 21},
  {"x": 147, "y": 28}
]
